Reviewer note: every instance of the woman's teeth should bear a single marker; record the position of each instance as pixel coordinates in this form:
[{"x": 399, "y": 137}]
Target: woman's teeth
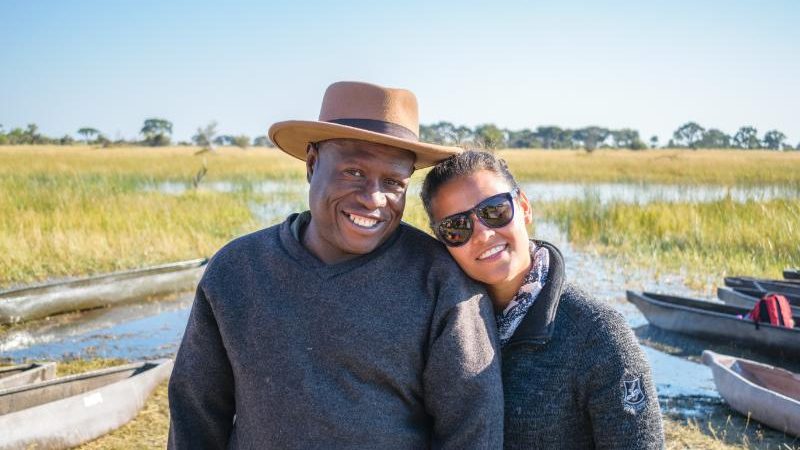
[{"x": 492, "y": 251}]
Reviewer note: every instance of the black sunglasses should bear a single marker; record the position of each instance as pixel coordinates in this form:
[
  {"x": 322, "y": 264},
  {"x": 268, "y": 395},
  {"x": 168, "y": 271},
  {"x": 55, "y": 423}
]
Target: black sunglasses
[{"x": 495, "y": 212}]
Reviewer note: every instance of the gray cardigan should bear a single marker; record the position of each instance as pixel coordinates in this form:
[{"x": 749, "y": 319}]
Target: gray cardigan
[
  {"x": 393, "y": 349},
  {"x": 575, "y": 377}
]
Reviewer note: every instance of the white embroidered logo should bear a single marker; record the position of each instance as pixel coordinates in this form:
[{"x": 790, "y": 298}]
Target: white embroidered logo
[{"x": 633, "y": 397}]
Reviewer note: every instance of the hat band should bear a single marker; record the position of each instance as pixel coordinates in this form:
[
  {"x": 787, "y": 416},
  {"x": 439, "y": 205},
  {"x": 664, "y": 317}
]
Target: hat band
[{"x": 379, "y": 126}]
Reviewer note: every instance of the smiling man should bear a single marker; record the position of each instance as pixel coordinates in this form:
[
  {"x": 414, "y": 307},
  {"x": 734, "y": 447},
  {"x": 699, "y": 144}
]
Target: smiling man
[{"x": 341, "y": 327}]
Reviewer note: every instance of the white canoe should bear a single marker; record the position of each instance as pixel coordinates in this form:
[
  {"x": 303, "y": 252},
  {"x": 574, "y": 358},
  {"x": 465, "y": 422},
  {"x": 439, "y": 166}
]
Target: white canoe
[
  {"x": 22, "y": 374},
  {"x": 69, "y": 411},
  {"x": 35, "y": 302},
  {"x": 768, "y": 394}
]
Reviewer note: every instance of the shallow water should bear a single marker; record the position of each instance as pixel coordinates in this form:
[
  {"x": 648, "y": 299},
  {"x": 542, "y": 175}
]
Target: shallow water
[{"x": 639, "y": 193}]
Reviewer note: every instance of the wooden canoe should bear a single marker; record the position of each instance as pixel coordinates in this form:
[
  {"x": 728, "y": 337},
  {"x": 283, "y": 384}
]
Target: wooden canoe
[
  {"x": 791, "y": 274},
  {"x": 768, "y": 394},
  {"x": 69, "y": 411},
  {"x": 735, "y": 298},
  {"x": 22, "y": 374},
  {"x": 759, "y": 293},
  {"x": 716, "y": 321},
  {"x": 35, "y": 302},
  {"x": 753, "y": 283}
]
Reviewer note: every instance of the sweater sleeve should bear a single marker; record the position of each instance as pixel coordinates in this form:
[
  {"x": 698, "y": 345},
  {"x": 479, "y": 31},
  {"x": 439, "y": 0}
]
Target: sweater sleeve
[
  {"x": 621, "y": 398},
  {"x": 462, "y": 381},
  {"x": 201, "y": 391}
]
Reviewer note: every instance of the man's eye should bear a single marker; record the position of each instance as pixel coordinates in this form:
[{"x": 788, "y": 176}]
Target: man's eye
[
  {"x": 395, "y": 183},
  {"x": 354, "y": 172}
]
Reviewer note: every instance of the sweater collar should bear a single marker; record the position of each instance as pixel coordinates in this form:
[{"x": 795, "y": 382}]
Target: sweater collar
[
  {"x": 539, "y": 323},
  {"x": 290, "y": 231}
]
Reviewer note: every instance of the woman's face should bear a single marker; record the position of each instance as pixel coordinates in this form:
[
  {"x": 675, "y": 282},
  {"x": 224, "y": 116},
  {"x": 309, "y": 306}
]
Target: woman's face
[{"x": 493, "y": 256}]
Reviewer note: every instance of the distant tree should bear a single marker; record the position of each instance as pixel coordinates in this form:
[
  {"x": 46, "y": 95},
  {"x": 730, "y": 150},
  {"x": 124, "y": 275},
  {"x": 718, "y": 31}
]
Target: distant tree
[
  {"x": 653, "y": 141},
  {"x": 714, "y": 138},
  {"x": 489, "y": 136},
  {"x": 66, "y": 140},
  {"x": 627, "y": 138},
  {"x": 157, "y": 132},
  {"x": 87, "y": 133},
  {"x": 205, "y": 136},
  {"x": 262, "y": 141},
  {"x": 773, "y": 139},
  {"x": 224, "y": 139},
  {"x": 689, "y": 134},
  {"x": 550, "y": 136},
  {"x": 591, "y": 137},
  {"x": 524, "y": 138},
  {"x": 241, "y": 141},
  {"x": 747, "y": 137}
]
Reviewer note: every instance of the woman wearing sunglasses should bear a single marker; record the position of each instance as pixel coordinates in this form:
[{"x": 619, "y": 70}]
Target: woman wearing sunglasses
[{"x": 574, "y": 375}]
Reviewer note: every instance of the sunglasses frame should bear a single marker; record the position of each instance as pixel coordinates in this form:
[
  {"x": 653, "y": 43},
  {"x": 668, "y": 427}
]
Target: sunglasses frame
[{"x": 510, "y": 196}]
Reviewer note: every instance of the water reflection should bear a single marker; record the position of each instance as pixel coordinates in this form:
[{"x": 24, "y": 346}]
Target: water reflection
[{"x": 639, "y": 193}]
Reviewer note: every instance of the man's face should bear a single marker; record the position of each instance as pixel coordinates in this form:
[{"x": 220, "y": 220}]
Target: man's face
[{"x": 357, "y": 196}]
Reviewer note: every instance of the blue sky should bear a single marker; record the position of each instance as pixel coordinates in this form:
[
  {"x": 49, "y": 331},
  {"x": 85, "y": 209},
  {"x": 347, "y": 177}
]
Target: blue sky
[{"x": 650, "y": 65}]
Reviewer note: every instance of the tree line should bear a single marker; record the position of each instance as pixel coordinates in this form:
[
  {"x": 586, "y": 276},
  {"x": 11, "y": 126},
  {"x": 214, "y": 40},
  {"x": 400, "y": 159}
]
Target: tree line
[
  {"x": 157, "y": 132},
  {"x": 689, "y": 135}
]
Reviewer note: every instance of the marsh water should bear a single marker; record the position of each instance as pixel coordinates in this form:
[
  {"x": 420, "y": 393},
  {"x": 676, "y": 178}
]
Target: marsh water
[{"x": 154, "y": 328}]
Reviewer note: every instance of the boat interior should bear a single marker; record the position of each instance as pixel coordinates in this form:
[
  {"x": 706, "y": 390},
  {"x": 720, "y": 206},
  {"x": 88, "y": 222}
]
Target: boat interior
[
  {"x": 707, "y": 306},
  {"x": 772, "y": 378},
  {"x": 17, "y": 399}
]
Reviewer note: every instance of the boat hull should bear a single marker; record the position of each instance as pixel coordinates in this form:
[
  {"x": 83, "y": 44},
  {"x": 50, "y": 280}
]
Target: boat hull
[
  {"x": 23, "y": 374},
  {"x": 715, "y": 321},
  {"x": 742, "y": 384},
  {"x": 36, "y": 302},
  {"x": 69, "y": 411}
]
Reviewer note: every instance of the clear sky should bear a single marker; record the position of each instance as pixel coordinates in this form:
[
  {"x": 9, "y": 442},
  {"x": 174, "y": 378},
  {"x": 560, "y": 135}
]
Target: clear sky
[{"x": 648, "y": 65}]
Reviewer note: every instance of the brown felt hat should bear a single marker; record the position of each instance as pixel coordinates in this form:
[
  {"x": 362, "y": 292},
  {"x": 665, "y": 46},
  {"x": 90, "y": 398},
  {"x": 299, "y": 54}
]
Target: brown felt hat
[{"x": 363, "y": 111}]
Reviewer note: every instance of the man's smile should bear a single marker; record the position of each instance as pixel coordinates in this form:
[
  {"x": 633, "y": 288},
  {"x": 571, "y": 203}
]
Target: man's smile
[{"x": 363, "y": 221}]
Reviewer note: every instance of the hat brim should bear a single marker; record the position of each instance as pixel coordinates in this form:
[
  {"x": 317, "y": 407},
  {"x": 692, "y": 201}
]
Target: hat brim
[{"x": 293, "y": 137}]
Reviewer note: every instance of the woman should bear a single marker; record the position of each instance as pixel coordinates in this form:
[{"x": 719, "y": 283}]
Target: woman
[{"x": 574, "y": 375}]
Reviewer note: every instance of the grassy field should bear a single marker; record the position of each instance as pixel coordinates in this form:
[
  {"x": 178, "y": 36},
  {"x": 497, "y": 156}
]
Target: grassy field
[
  {"x": 80, "y": 210},
  {"x": 720, "y": 238}
]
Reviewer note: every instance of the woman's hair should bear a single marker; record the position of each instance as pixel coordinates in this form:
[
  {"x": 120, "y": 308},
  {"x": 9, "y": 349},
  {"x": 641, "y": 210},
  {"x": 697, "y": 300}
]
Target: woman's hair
[{"x": 461, "y": 165}]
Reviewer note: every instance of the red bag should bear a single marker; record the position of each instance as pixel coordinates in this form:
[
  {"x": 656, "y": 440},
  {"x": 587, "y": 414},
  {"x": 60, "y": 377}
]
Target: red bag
[{"x": 773, "y": 309}]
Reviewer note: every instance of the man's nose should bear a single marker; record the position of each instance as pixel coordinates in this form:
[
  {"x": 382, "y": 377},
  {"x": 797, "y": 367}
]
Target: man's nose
[{"x": 371, "y": 195}]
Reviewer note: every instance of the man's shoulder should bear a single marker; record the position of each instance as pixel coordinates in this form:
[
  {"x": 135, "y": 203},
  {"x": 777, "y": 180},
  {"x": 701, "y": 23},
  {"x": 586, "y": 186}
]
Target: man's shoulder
[
  {"x": 417, "y": 244},
  {"x": 243, "y": 248}
]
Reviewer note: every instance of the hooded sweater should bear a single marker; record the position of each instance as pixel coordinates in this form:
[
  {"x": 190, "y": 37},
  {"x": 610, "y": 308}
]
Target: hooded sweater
[{"x": 392, "y": 349}]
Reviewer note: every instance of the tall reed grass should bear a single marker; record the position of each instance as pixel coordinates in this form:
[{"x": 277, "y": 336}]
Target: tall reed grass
[{"x": 719, "y": 238}]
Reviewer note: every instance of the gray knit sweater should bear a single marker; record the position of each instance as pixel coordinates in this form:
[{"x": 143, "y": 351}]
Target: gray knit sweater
[
  {"x": 575, "y": 377},
  {"x": 394, "y": 349}
]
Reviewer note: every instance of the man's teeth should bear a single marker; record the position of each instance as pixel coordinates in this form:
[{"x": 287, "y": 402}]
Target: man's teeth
[
  {"x": 362, "y": 221},
  {"x": 492, "y": 251}
]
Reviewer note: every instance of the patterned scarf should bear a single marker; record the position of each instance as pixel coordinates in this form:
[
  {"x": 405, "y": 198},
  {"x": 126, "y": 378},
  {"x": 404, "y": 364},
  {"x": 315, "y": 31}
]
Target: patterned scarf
[{"x": 509, "y": 319}]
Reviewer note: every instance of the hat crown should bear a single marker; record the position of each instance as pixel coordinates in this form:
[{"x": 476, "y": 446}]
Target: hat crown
[{"x": 350, "y": 100}]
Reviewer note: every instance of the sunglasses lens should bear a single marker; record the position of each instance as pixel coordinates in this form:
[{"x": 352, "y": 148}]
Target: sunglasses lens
[
  {"x": 455, "y": 230},
  {"x": 496, "y": 211}
]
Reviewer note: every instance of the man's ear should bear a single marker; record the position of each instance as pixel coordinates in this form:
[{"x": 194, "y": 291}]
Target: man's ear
[
  {"x": 312, "y": 156},
  {"x": 525, "y": 206}
]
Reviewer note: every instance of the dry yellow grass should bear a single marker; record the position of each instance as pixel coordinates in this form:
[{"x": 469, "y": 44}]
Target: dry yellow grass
[{"x": 657, "y": 166}]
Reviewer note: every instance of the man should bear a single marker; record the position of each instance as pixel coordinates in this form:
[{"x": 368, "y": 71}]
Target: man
[{"x": 341, "y": 327}]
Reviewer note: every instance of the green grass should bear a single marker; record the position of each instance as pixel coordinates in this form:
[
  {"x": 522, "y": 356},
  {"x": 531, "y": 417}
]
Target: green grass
[
  {"x": 719, "y": 239},
  {"x": 70, "y": 211}
]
